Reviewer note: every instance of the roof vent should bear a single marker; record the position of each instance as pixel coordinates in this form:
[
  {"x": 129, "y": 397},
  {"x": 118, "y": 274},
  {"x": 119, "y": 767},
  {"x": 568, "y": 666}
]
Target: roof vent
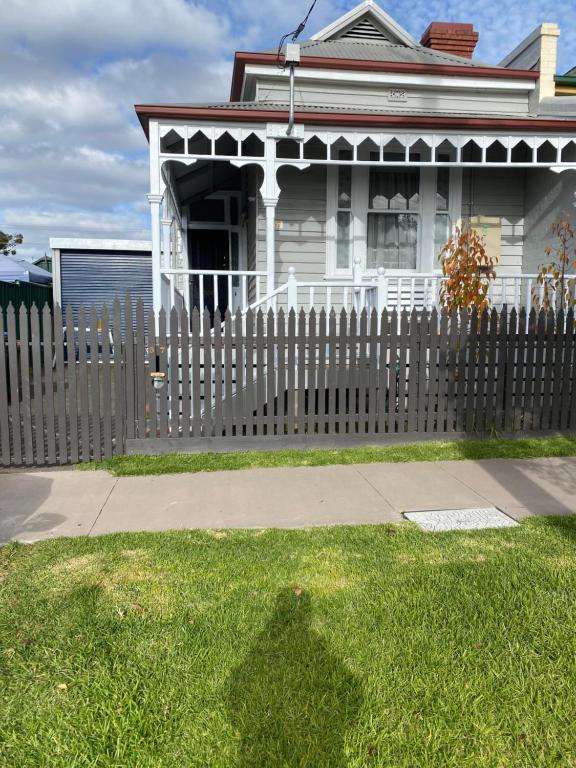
[{"x": 364, "y": 30}]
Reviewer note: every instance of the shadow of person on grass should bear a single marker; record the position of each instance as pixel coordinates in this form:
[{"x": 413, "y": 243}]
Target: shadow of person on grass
[{"x": 292, "y": 700}]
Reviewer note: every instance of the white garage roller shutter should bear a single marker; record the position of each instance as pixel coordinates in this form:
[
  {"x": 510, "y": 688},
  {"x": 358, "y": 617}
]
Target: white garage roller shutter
[{"x": 98, "y": 277}]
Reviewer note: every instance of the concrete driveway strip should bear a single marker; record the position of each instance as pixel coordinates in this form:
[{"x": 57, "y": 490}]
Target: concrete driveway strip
[
  {"x": 261, "y": 498},
  {"x": 45, "y": 504}
]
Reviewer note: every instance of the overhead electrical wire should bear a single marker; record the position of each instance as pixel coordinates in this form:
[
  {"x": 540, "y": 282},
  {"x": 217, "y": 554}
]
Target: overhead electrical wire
[{"x": 295, "y": 34}]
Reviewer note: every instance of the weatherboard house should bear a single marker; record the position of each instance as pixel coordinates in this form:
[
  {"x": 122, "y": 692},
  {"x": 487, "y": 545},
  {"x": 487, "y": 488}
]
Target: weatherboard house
[{"x": 336, "y": 171}]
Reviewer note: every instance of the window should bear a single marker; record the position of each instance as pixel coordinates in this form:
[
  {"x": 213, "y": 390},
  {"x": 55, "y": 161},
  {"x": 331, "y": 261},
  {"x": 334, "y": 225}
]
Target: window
[
  {"x": 442, "y": 216},
  {"x": 397, "y": 217},
  {"x": 344, "y": 213},
  {"x": 393, "y": 218}
]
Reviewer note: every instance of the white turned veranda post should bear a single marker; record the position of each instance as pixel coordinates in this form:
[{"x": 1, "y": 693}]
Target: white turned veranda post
[
  {"x": 167, "y": 243},
  {"x": 155, "y": 210},
  {"x": 185, "y": 280},
  {"x": 155, "y": 199},
  {"x": 270, "y": 205}
]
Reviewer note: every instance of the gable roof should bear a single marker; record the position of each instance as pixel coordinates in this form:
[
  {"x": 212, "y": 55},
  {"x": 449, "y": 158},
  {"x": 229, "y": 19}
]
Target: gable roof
[
  {"x": 365, "y": 40},
  {"x": 380, "y": 50},
  {"x": 366, "y": 21},
  {"x": 367, "y": 33}
]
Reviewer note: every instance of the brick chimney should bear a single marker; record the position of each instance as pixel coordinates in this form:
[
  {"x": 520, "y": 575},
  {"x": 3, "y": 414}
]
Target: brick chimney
[{"x": 457, "y": 39}]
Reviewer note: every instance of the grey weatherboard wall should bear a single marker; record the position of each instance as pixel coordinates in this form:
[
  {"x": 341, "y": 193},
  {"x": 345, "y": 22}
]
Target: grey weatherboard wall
[
  {"x": 98, "y": 277},
  {"x": 500, "y": 192},
  {"x": 366, "y": 97}
]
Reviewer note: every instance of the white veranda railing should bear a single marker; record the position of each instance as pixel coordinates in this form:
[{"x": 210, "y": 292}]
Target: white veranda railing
[
  {"x": 243, "y": 290},
  {"x": 234, "y": 289},
  {"x": 392, "y": 292}
]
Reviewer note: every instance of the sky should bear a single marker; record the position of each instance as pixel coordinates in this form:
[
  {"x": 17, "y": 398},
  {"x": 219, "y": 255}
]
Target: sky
[{"x": 73, "y": 157}]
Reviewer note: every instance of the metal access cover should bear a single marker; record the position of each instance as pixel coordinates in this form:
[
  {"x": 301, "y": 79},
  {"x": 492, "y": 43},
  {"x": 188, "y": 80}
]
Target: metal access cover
[{"x": 460, "y": 519}]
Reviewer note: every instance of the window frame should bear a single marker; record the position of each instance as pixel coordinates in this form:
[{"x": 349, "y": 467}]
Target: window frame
[
  {"x": 426, "y": 261},
  {"x": 390, "y": 212}
]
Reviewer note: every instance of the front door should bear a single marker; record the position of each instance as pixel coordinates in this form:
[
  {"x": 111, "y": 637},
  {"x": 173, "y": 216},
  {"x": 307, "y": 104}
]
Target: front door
[{"x": 209, "y": 249}]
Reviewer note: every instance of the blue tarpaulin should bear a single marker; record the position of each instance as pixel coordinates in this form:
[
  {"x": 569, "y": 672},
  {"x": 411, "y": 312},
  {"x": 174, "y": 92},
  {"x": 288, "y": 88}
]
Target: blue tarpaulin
[{"x": 15, "y": 269}]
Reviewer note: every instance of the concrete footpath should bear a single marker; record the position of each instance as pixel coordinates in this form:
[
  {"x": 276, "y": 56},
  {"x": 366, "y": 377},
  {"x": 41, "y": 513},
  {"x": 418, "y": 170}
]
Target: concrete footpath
[{"x": 40, "y": 504}]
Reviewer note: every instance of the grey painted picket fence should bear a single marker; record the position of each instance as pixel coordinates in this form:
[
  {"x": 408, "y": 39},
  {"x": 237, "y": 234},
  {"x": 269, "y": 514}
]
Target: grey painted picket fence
[{"x": 81, "y": 390}]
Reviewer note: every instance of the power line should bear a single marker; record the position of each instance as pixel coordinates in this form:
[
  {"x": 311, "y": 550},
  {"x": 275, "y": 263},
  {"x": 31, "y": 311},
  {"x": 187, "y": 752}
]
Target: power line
[{"x": 295, "y": 33}]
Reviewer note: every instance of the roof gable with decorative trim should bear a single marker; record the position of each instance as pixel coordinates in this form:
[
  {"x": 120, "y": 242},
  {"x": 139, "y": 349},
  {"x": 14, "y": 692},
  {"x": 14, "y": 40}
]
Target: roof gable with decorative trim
[
  {"x": 366, "y": 21},
  {"x": 364, "y": 29}
]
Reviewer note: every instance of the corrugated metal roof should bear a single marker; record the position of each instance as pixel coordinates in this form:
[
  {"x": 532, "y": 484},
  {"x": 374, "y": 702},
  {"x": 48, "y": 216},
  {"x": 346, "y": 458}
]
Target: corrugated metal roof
[
  {"x": 558, "y": 106},
  {"x": 314, "y": 108},
  {"x": 380, "y": 50}
]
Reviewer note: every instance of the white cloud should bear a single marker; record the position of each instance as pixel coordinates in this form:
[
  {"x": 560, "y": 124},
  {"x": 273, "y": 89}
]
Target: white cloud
[
  {"x": 72, "y": 147},
  {"x": 75, "y": 223},
  {"x": 71, "y": 26}
]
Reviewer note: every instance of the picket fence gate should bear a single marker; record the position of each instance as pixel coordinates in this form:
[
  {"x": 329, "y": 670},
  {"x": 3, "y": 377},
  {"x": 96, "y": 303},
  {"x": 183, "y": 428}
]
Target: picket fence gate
[{"x": 80, "y": 388}]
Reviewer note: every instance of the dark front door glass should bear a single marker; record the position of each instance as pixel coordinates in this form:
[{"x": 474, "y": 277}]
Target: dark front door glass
[{"x": 209, "y": 249}]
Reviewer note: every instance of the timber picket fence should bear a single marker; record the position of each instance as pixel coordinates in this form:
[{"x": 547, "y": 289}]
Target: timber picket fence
[{"x": 80, "y": 388}]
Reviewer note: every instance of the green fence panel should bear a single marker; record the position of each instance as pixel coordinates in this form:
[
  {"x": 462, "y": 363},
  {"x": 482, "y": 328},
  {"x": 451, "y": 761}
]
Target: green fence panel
[{"x": 23, "y": 293}]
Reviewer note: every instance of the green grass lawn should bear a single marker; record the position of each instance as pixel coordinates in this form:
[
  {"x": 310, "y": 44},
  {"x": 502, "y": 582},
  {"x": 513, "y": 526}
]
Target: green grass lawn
[
  {"x": 496, "y": 448},
  {"x": 367, "y": 646}
]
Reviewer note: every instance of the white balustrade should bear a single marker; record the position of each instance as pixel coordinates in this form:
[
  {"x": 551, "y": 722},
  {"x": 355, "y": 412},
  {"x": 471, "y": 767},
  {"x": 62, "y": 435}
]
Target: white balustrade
[
  {"x": 212, "y": 288},
  {"x": 392, "y": 292},
  {"x": 244, "y": 289}
]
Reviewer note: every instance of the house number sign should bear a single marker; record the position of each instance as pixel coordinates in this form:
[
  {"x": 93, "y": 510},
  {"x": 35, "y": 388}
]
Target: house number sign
[{"x": 397, "y": 94}]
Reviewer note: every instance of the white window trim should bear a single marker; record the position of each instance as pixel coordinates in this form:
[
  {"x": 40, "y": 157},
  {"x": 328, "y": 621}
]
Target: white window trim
[
  {"x": 426, "y": 258},
  {"x": 332, "y": 225},
  {"x": 418, "y": 212}
]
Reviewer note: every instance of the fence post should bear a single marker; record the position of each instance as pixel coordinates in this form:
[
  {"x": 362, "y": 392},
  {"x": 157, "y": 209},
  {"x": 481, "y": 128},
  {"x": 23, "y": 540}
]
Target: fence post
[{"x": 292, "y": 290}]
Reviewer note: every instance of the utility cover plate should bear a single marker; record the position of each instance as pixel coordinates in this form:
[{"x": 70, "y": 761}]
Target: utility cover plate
[{"x": 460, "y": 519}]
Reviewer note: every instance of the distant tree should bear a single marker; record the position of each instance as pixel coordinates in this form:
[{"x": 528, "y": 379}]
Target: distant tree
[{"x": 8, "y": 243}]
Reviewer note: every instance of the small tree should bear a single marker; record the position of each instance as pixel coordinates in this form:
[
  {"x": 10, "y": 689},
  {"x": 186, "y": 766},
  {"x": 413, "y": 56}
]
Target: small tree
[
  {"x": 468, "y": 271},
  {"x": 8, "y": 243},
  {"x": 557, "y": 286}
]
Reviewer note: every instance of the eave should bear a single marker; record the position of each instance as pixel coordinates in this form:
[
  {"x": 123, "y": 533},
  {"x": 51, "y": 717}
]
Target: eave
[
  {"x": 353, "y": 65},
  {"x": 145, "y": 112}
]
